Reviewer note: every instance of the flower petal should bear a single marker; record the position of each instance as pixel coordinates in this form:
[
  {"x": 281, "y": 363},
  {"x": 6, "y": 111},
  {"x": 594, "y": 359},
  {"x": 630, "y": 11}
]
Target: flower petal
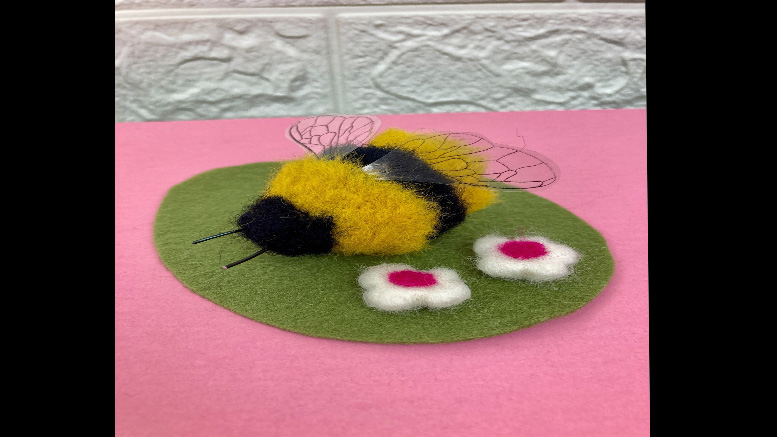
[
  {"x": 554, "y": 264},
  {"x": 380, "y": 293}
]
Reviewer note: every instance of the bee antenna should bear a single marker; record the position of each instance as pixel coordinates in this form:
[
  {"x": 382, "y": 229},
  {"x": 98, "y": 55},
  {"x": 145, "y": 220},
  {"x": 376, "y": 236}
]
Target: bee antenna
[
  {"x": 216, "y": 236},
  {"x": 244, "y": 259}
]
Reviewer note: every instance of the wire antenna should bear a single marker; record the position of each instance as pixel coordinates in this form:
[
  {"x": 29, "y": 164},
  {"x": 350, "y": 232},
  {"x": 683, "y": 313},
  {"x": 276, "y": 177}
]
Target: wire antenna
[
  {"x": 230, "y": 265},
  {"x": 216, "y": 236}
]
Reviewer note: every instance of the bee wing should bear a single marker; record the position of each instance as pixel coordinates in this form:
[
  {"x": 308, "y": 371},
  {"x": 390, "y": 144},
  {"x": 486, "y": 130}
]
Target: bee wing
[
  {"x": 468, "y": 158},
  {"x": 320, "y": 133}
]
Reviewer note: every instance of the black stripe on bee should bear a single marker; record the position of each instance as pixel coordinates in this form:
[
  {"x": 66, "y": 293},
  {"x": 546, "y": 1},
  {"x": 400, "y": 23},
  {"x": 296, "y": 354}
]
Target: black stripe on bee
[
  {"x": 276, "y": 224},
  {"x": 452, "y": 209}
]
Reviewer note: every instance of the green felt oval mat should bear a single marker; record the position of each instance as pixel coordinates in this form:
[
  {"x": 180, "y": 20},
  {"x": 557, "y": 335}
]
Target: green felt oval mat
[{"x": 319, "y": 295}]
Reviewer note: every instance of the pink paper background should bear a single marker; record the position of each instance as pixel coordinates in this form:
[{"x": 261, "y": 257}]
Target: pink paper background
[{"x": 187, "y": 367}]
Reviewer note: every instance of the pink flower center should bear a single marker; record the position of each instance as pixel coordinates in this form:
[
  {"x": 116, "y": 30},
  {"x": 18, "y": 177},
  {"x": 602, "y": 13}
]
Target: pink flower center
[
  {"x": 411, "y": 278},
  {"x": 522, "y": 249}
]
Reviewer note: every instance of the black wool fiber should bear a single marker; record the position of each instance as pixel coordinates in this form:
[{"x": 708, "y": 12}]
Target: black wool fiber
[{"x": 275, "y": 224}]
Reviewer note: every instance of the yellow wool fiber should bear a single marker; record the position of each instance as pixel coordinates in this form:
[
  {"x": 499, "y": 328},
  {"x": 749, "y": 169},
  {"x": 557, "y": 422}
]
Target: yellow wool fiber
[
  {"x": 430, "y": 146},
  {"x": 371, "y": 216}
]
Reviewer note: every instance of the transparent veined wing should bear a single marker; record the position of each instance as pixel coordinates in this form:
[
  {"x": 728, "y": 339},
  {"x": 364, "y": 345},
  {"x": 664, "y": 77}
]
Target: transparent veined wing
[
  {"x": 470, "y": 158},
  {"x": 321, "y": 133}
]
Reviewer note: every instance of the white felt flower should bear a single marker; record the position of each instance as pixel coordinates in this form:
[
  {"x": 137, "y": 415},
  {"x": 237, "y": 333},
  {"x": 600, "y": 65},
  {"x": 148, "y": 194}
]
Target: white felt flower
[
  {"x": 399, "y": 287},
  {"x": 535, "y": 259}
]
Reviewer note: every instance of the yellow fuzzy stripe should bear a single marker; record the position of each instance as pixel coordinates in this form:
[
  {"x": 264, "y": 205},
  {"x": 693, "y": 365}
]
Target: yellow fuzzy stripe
[
  {"x": 371, "y": 216},
  {"x": 425, "y": 146}
]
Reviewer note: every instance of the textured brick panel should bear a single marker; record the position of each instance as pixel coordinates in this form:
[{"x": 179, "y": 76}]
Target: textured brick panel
[
  {"x": 213, "y": 68},
  {"x": 175, "y": 4},
  {"x": 493, "y": 61}
]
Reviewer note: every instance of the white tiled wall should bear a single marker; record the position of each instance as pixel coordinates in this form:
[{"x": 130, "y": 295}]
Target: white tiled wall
[{"x": 214, "y": 59}]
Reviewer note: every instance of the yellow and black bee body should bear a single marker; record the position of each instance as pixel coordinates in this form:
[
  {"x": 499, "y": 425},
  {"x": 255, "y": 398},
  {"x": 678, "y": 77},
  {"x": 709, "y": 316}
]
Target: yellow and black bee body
[
  {"x": 385, "y": 194},
  {"x": 287, "y": 227}
]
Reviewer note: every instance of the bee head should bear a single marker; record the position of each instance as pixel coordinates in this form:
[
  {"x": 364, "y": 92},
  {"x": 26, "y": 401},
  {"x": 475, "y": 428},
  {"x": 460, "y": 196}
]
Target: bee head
[{"x": 275, "y": 224}]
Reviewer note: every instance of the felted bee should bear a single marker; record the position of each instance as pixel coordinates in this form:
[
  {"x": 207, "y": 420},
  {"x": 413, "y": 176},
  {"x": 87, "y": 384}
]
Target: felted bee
[{"x": 391, "y": 193}]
